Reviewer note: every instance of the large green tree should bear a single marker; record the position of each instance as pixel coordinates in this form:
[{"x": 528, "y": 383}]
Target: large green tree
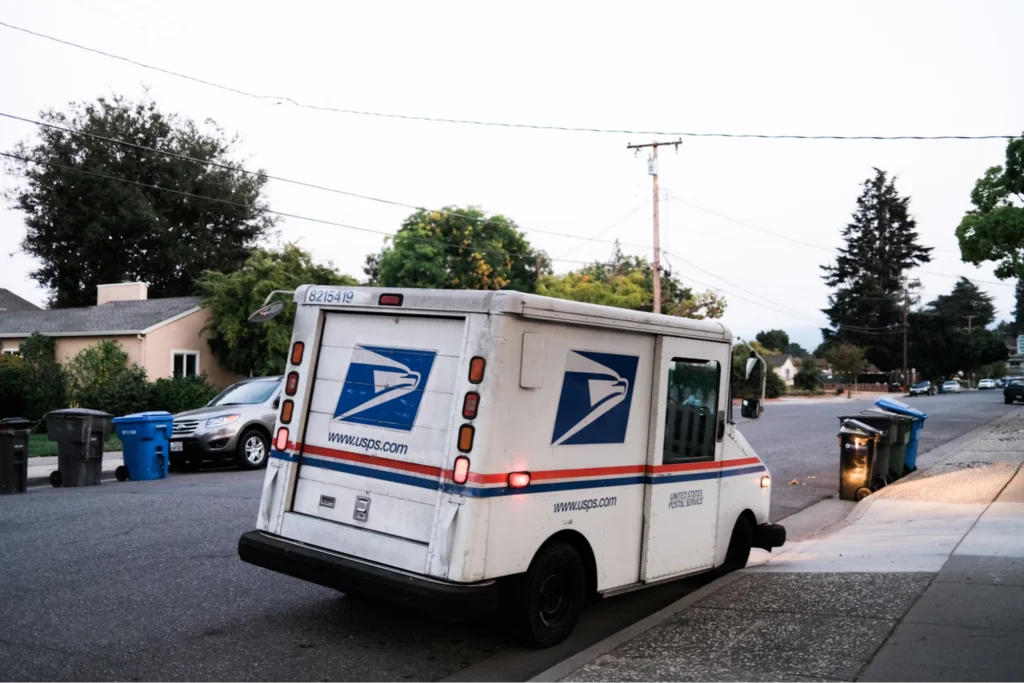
[
  {"x": 965, "y": 306},
  {"x": 777, "y": 340},
  {"x": 457, "y": 248},
  {"x": 87, "y": 230},
  {"x": 259, "y": 349},
  {"x": 994, "y": 229},
  {"x": 868, "y": 276},
  {"x": 628, "y": 282}
]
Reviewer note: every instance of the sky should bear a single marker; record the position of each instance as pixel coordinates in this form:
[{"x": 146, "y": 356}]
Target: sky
[{"x": 843, "y": 68}]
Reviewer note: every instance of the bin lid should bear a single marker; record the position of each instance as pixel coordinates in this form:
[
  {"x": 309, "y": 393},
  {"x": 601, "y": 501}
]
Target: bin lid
[
  {"x": 77, "y": 412},
  {"x": 11, "y": 423},
  {"x": 852, "y": 426},
  {"x": 900, "y": 407},
  {"x": 148, "y": 416},
  {"x": 878, "y": 412}
]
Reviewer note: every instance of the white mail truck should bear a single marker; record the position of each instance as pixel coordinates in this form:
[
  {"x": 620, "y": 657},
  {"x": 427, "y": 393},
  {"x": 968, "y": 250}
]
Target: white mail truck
[{"x": 505, "y": 448}]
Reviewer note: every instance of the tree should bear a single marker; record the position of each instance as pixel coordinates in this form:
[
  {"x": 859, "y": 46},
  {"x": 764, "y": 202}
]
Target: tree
[
  {"x": 88, "y": 230},
  {"x": 847, "y": 361},
  {"x": 47, "y": 386},
  {"x": 628, "y": 282},
  {"x": 1018, "y": 309},
  {"x": 940, "y": 349},
  {"x": 99, "y": 377},
  {"x": 794, "y": 349},
  {"x": 259, "y": 349},
  {"x": 457, "y": 248},
  {"x": 809, "y": 377},
  {"x": 991, "y": 230},
  {"x": 965, "y": 302},
  {"x": 777, "y": 340},
  {"x": 14, "y": 379},
  {"x": 865, "y": 308}
]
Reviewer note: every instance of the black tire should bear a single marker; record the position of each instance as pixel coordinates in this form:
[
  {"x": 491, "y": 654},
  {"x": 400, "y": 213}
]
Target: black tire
[
  {"x": 863, "y": 493},
  {"x": 121, "y": 473},
  {"x": 1008, "y": 400},
  {"x": 56, "y": 480},
  {"x": 740, "y": 543},
  {"x": 549, "y": 598},
  {"x": 252, "y": 450}
]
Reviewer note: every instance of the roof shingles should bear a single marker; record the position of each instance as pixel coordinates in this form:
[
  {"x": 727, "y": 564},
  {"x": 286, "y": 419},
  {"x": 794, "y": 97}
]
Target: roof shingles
[{"x": 129, "y": 317}]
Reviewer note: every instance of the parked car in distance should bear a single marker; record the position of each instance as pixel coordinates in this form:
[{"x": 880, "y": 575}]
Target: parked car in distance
[
  {"x": 987, "y": 384},
  {"x": 924, "y": 388},
  {"x": 236, "y": 425},
  {"x": 951, "y": 387},
  {"x": 1013, "y": 391}
]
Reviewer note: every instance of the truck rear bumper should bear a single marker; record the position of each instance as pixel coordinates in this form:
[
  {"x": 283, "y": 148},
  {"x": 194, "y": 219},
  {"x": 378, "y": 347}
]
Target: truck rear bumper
[{"x": 346, "y": 573}]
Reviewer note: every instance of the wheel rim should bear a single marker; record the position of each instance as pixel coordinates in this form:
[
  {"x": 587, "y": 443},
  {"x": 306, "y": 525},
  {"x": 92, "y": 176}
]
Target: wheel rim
[
  {"x": 555, "y": 600},
  {"x": 255, "y": 451}
]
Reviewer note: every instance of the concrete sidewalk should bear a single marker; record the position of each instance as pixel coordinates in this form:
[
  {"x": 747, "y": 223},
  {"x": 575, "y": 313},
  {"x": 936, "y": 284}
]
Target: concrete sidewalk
[
  {"x": 924, "y": 580},
  {"x": 40, "y": 467}
]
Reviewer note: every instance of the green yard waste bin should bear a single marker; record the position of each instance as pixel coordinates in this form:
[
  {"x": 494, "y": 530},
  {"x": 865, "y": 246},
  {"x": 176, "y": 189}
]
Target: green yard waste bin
[
  {"x": 80, "y": 434},
  {"x": 901, "y": 426},
  {"x": 14, "y": 434}
]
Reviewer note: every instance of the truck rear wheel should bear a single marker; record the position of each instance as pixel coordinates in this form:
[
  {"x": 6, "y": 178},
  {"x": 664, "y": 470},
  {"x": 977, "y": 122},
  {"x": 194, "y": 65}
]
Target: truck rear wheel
[{"x": 550, "y": 596}]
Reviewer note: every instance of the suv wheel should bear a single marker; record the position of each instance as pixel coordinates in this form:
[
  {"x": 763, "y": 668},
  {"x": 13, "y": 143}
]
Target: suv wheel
[{"x": 252, "y": 450}]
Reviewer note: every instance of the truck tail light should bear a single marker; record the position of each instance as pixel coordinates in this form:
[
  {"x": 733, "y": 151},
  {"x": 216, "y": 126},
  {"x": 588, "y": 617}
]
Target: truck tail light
[
  {"x": 390, "y": 300},
  {"x": 291, "y": 385},
  {"x": 286, "y": 411},
  {"x": 518, "y": 480},
  {"x": 461, "y": 471},
  {"x": 466, "y": 438},
  {"x": 476, "y": 370},
  {"x": 470, "y": 405},
  {"x": 297, "y": 351},
  {"x": 281, "y": 442}
]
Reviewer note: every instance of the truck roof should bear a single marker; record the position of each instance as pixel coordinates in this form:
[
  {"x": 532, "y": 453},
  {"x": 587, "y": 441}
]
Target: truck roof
[{"x": 511, "y": 303}]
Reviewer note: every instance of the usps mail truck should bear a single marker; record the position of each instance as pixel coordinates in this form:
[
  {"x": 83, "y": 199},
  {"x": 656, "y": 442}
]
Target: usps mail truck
[{"x": 505, "y": 448}]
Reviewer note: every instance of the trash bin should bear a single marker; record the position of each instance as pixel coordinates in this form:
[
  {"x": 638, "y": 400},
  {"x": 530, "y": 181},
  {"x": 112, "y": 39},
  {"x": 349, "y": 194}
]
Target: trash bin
[
  {"x": 885, "y": 423},
  {"x": 146, "y": 438},
  {"x": 80, "y": 434},
  {"x": 901, "y": 408},
  {"x": 858, "y": 448},
  {"x": 14, "y": 433},
  {"x": 899, "y": 427}
]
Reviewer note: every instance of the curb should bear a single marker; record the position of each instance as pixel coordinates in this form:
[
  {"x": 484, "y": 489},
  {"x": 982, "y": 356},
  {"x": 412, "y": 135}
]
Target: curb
[
  {"x": 584, "y": 657},
  {"x": 39, "y": 482}
]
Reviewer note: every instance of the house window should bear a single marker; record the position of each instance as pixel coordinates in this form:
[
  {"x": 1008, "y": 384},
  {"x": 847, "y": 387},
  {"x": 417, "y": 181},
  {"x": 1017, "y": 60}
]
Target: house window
[
  {"x": 12, "y": 352},
  {"x": 691, "y": 410},
  {"x": 185, "y": 363}
]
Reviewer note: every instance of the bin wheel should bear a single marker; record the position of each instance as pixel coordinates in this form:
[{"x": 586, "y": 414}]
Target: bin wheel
[
  {"x": 121, "y": 473},
  {"x": 55, "y": 480},
  {"x": 863, "y": 493}
]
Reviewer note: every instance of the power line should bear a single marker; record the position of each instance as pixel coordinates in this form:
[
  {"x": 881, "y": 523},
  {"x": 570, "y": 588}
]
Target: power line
[
  {"x": 820, "y": 246},
  {"x": 601, "y": 232},
  {"x": 494, "y": 124},
  {"x": 282, "y": 214},
  {"x": 301, "y": 183}
]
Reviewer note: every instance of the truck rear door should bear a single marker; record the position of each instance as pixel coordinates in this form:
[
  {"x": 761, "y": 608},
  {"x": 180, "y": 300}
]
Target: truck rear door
[{"x": 379, "y": 421}]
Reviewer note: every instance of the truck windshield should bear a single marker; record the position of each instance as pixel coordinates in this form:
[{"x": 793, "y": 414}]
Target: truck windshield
[{"x": 246, "y": 393}]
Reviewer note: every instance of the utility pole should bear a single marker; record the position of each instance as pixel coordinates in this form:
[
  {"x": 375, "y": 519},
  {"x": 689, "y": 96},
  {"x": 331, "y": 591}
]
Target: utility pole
[
  {"x": 906, "y": 315},
  {"x": 970, "y": 320},
  {"x": 652, "y": 170}
]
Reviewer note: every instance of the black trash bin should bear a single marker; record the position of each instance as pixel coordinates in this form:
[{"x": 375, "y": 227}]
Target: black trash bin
[
  {"x": 80, "y": 434},
  {"x": 858, "y": 448},
  {"x": 14, "y": 433}
]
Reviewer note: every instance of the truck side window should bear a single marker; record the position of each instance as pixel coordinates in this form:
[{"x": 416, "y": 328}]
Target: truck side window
[{"x": 691, "y": 410}]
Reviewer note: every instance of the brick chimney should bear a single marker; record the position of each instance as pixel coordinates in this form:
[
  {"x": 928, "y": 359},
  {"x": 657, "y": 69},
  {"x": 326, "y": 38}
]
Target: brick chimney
[{"x": 122, "y": 291}]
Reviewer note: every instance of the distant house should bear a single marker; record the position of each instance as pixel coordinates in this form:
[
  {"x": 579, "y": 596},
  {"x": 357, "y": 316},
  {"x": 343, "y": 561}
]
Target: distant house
[
  {"x": 163, "y": 336},
  {"x": 9, "y": 301},
  {"x": 782, "y": 364}
]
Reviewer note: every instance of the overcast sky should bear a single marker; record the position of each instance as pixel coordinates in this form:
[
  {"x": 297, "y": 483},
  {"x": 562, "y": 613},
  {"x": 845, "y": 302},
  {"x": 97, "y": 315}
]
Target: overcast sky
[{"x": 878, "y": 68}]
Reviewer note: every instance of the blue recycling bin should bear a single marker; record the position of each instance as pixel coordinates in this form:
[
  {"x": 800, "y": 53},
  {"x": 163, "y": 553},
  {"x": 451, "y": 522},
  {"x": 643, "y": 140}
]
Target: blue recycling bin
[
  {"x": 891, "y": 404},
  {"x": 146, "y": 438}
]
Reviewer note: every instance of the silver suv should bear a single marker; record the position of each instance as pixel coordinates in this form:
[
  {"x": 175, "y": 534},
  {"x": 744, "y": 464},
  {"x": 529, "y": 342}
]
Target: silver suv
[{"x": 236, "y": 425}]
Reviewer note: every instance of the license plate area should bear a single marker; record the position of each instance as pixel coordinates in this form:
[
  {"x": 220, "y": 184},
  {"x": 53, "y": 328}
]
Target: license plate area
[{"x": 177, "y": 446}]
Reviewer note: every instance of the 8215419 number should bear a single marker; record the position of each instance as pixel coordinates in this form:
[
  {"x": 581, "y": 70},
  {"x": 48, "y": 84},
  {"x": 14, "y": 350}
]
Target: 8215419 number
[{"x": 329, "y": 296}]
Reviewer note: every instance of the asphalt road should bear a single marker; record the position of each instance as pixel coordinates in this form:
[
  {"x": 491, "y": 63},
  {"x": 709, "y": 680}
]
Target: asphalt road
[
  {"x": 799, "y": 441},
  {"x": 141, "y": 581}
]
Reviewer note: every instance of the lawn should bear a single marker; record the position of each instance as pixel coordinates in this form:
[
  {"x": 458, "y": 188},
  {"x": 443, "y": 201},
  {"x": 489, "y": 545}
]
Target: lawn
[{"x": 39, "y": 445}]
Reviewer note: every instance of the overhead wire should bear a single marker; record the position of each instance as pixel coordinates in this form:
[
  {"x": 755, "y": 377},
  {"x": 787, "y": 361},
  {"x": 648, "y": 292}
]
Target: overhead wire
[{"x": 494, "y": 124}]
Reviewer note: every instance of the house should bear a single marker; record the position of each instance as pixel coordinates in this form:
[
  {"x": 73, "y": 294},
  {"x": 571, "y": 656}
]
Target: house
[
  {"x": 163, "y": 336},
  {"x": 782, "y": 364},
  {"x": 9, "y": 301}
]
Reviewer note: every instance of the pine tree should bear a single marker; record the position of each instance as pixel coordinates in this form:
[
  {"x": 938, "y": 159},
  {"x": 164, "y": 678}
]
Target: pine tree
[
  {"x": 965, "y": 302},
  {"x": 1018, "y": 310},
  {"x": 865, "y": 308}
]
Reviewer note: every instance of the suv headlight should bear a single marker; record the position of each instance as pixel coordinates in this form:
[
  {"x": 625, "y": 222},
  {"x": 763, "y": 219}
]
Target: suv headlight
[{"x": 221, "y": 420}]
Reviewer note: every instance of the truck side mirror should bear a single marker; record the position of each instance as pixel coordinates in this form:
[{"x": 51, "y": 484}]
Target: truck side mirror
[{"x": 753, "y": 388}]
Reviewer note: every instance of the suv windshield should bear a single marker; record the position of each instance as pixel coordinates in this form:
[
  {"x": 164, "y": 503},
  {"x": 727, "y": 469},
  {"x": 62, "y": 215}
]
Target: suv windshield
[
  {"x": 921, "y": 385},
  {"x": 246, "y": 393}
]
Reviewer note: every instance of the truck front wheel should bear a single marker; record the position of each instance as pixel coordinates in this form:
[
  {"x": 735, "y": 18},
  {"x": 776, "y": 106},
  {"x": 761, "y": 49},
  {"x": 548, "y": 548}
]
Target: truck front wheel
[{"x": 550, "y": 596}]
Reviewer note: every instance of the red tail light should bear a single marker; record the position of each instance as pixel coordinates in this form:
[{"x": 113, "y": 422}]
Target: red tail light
[
  {"x": 470, "y": 405},
  {"x": 390, "y": 300},
  {"x": 461, "y": 471},
  {"x": 281, "y": 442},
  {"x": 518, "y": 480},
  {"x": 291, "y": 385}
]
